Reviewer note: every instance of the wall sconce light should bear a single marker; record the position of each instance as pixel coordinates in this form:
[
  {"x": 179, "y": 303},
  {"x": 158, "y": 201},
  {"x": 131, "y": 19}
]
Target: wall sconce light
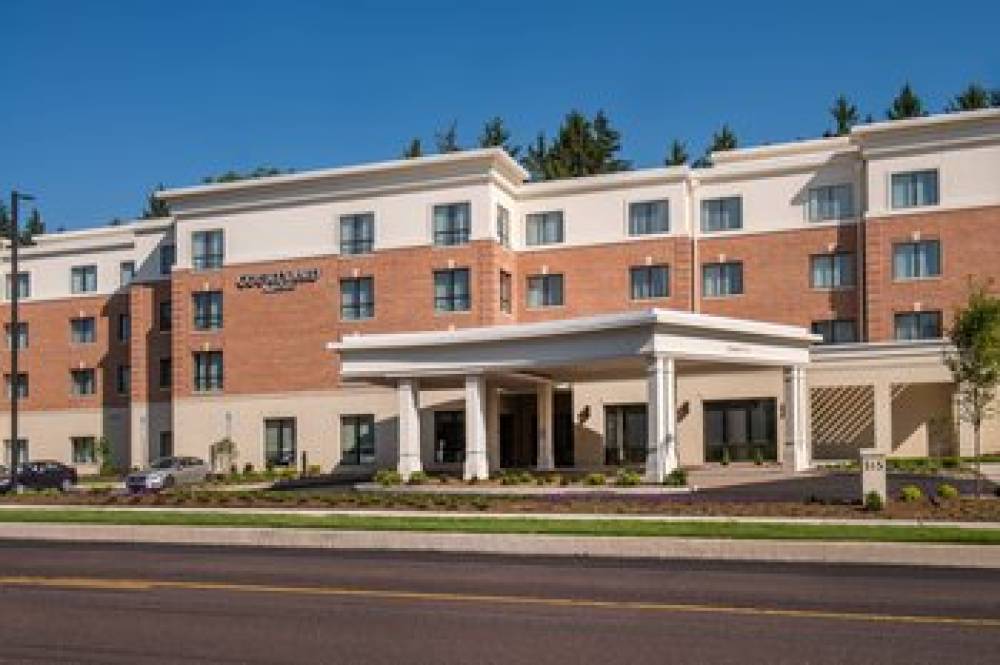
[
  {"x": 683, "y": 410},
  {"x": 584, "y": 414}
]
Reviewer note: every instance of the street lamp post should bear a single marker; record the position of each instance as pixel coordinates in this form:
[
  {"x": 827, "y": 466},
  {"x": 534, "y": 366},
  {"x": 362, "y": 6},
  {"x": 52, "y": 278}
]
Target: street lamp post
[{"x": 15, "y": 342}]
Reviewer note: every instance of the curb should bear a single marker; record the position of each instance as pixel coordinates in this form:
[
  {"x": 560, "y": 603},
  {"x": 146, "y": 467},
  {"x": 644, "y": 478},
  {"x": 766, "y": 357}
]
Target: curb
[{"x": 615, "y": 547}]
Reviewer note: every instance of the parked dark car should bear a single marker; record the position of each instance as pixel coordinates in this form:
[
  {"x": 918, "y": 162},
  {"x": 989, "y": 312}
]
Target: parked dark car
[{"x": 38, "y": 475}]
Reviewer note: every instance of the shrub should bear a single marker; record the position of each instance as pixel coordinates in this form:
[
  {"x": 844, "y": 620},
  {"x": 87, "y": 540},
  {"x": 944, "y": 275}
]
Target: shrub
[
  {"x": 418, "y": 478},
  {"x": 627, "y": 478},
  {"x": 949, "y": 462},
  {"x": 564, "y": 482},
  {"x": 526, "y": 477},
  {"x": 595, "y": 479},
  {"x": 388, "y": 477},
  {"x": 314, "y": 470},
  {"x": 758, "y": 457},
  {"x": 874, "y": 502},
  {"x": 947, "y": 491},
  {"x": 248, "y": 469},
  {"x": 725, "y": 457},
  {"x": 910, "y": 494},
  {"x": 676, "y": 478}
]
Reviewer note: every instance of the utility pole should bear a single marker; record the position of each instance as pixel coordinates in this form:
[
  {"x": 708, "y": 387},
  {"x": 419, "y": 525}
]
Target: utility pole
[{"x": 15, "y": 341}]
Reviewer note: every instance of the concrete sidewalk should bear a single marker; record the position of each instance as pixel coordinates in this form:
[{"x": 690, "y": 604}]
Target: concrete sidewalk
[{"x": 648, "y": 548}]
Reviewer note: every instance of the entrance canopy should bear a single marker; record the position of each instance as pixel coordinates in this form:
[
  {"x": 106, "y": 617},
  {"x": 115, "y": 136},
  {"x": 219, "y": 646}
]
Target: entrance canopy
[
  {"x": 574, "y": 349},
  {"x": 649, "y": 344}
]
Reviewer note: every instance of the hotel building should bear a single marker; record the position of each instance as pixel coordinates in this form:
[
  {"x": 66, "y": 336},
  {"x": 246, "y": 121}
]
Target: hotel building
[{"x": 446, "y": 313}]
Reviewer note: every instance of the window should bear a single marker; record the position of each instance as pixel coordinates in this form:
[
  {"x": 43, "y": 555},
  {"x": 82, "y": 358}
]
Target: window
[
  {"x": 22, "y": 385},
  {"x": 20, "y": 454},
  {"x": 357, "y": 298},
  {"x": 84, "y": 449},
  {"x": 449, "y": 437},
  {"x": 22, "y": 334},
  {"x": 452, "y": 224},
  {"x": 544, "y": 228},
  {"x": 357, "y": 233},
  {"x": 82, "y": 330},
  {"x": 503, "y": 226},
  {"x": 357, "y": 439},
  {"x": 207, "y": 249},
  {"x": 831, "y": 202},
  {"x": 166, "y": 312},
  {"x": 916, "y": 260},
  {"x": 916, "y": 188},
  {"x": 722, "y": 279},
  {"x": 126, "y": 272},
  {"x": 279, "y": 441},
  {"x": 123, "y": 379},
  {"x": 836, "y": 331},
  {"x": 166, "y": 372},
  {"x": 725, "y": 214},
  {"x": 918, "y": 325},
  {"x": 166, "y": 448},
  {"x": 649, "y": 282},
  {"x": 124, "y": 327},
  {"x": 451, "y": 290},
  {"x": 83, "y": 381},
  {"x": 23, "y": 286},
  {"x": 83, "y": 279},
  {"x": 207, "y": 310},
  {"x": 832, "y": 271},
  {"x": 168, "y": 256},
  {"x": 506, "y": 292},
  {"x": 545, "y": 290},
  {"x": 646, "y": 217},
  {"x": 625, "y": 439},
  {"x": 207, "y": 371}
]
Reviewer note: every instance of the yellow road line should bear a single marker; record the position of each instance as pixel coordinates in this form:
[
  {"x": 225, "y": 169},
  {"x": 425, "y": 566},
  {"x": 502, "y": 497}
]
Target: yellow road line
[{"x": 421, "y": 596}]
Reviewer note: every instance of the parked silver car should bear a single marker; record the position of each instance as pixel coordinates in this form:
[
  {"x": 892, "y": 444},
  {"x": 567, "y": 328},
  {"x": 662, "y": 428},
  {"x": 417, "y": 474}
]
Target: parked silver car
[{"x": 168, "y": 472}]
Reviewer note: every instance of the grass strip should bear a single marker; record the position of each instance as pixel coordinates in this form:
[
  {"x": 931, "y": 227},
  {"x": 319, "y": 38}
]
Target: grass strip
[{"x": 514, "y": 525}]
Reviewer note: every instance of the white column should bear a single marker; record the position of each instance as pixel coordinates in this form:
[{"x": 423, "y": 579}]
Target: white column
[
  {"x": 409, "y": 427},
  {"x": 798, "y": 455},
  {"x": 493, "y": 426},
  {"x": 883, "y": 417},
  {"x": 476, "y": 463},
  {"x": 661, "y": 419},
  {"x": 546, "y": 453}
]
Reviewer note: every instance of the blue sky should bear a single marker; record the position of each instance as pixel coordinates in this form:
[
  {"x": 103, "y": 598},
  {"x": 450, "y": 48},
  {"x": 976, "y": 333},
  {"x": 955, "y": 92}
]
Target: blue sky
[{"x": 102, "y": 100}]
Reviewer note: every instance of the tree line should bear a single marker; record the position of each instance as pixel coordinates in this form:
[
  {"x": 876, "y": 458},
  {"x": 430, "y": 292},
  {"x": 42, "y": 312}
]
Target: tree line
[{"x": 590, "y": 146}]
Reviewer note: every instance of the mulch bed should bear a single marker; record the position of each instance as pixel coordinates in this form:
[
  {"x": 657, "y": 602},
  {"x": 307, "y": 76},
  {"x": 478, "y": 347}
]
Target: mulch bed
[{"x": 964, "y": 509}]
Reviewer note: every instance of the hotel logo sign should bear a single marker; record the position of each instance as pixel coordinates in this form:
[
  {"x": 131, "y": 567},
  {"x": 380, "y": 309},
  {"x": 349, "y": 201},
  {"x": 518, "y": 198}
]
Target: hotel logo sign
[{"x": 278, "y": 282}]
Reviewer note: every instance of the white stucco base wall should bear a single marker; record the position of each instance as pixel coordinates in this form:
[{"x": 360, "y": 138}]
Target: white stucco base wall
[{"x": 49, "y": 433}]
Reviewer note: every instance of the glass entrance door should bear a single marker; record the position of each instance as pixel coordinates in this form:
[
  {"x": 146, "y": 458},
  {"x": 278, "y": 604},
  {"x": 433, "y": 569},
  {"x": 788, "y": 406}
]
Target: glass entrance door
[{"x": 743, "y": 429}]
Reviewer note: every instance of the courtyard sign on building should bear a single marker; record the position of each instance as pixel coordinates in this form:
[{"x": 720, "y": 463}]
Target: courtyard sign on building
[{"x": 276, "y": 282}]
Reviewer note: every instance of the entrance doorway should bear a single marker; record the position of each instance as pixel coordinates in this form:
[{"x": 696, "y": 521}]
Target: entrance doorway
[
  {"x": 518, "y": 432},
  {"x": 741, "y": 430}
]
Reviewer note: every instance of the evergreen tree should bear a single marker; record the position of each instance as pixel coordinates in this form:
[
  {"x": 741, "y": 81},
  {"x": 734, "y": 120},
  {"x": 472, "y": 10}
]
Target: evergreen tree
[
  {"x": 677, "y": 154},
  {"x": 537, "y": 157},
  {"x": 995, "y": 97},
  {"x": 4, "y": 221},
  {"x": 496, "y": 135},
  {"x": 845, "y": 115},
  {"x": 906, "y": 105},
  {"x": 154, "y": 206},
  {"x": 973, "y": 97},
  {"x": 34, "y": 226},
  {"x": 413, "y": 150},
  {"x": 608, "y": 144},
  {"x": 724, "y": 139},
  {"x": 447, "y": 141},
  {"x": 235, "y": 176},
  {"x": 582, "y": 147}
]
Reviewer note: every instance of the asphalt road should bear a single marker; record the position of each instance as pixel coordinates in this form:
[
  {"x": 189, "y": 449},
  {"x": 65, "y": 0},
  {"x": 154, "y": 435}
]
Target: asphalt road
[{"x": 83, "y": 603}]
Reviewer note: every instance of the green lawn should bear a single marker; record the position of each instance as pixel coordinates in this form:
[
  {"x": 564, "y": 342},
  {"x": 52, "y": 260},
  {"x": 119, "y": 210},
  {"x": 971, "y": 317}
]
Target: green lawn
[{"x": 487, "y": 524}]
